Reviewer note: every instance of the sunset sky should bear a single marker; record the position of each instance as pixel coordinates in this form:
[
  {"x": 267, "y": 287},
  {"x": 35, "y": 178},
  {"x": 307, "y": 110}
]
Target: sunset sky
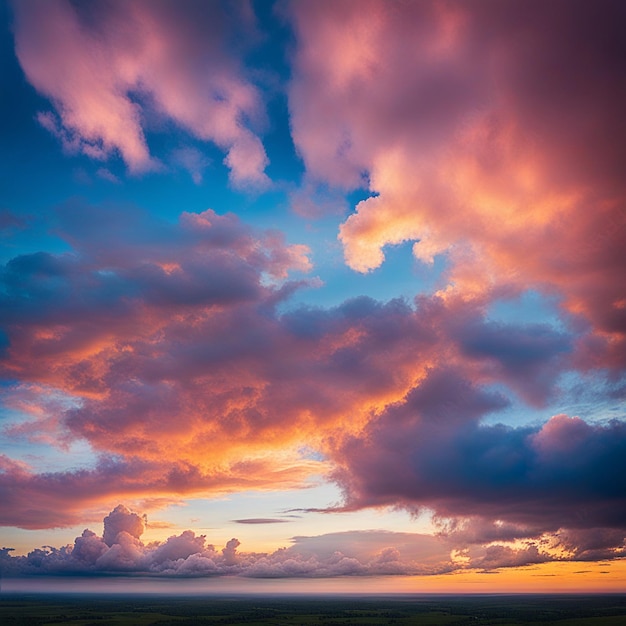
[{"x": 313, "y": 289}]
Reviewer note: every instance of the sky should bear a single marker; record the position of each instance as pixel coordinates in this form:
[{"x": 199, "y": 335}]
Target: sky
[{"x": 298, "y": 290}]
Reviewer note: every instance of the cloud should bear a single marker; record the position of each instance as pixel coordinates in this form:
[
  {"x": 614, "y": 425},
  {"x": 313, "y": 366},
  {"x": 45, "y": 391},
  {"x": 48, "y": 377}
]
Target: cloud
[
  {"x": 160, "y": 345},
  {"x": 120, "y": 519},
  {"x": 350, "y": 553},
  {"x": 113, "y": 70},
  {"x": 88, "y": 548},
  {"x": 529, "y": 357},
  {"x": 260, "y": 520},
  {"x": 423, "y": 552},
  {"x": 191, "y": 160},
  {"x": 426, "y": 452},
  {"x": 162, "y": 348},
  {"x": 11, "y": 222},
  {"x": 497, "y": 556},
  {"x": 179, "y": 547},
  {"x": 188, "y": 555},
  {"x": 509, "y": 174},
  {"x": 125, "y": 555},
  {"x": 594, "y": 544},
  {"x": 36, "y": 500},
  {"x": 105, "y": 174}
]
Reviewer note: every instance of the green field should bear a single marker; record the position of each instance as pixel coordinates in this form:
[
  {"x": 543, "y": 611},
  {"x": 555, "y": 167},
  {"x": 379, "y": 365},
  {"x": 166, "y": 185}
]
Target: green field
[{"x": 35, "y": 610}]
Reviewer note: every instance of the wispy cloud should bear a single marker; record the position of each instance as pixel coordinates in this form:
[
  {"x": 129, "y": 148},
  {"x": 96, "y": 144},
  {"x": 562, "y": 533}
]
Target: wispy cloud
[
  {"x": 260, "y": 520},
  {"x": 109, "y": 68}
]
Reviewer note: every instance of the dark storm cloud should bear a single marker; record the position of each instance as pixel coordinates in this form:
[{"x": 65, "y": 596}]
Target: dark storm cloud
[{"x": 427, "y": 452}]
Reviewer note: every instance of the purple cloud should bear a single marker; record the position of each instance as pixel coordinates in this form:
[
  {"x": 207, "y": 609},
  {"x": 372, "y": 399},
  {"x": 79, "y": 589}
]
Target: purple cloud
[
  {"x": 349, "y": 553},
  {"x": 427, "y": 452}
]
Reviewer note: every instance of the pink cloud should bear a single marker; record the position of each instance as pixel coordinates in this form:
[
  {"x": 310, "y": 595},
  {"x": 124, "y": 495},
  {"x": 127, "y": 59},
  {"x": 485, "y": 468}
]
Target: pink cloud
[
  {"x": 511, "y": 173},
  {"x": 110, "y": 68},
  {"x": 88, "y": 547},
  {"x": 36, "y": 500}
]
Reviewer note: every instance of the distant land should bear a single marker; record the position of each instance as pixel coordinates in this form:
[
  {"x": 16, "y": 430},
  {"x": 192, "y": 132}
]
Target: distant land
[{"x": 431, "y": 610}]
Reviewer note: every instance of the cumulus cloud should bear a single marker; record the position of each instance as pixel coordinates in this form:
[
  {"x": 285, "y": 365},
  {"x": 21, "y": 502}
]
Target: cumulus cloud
[
  {"x": 113, "y": 69},
  {"x": 350, "y": 553},
  {"x": 120, "y": 520},
  {"x": 179, "y": 547},
  {"x": 426, "y": 452},
  {"x": 125, "y": 555},
  {"x": 339, "y": 554},
  {"x": 88, "y": 548},
  {"x": 510, "y": 174}
]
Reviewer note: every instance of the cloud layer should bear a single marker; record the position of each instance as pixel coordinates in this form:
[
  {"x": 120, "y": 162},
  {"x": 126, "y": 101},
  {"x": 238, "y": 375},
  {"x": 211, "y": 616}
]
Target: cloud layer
[
  {"x": 364, "y": 553},
  {"x": 161, "y": 345}
]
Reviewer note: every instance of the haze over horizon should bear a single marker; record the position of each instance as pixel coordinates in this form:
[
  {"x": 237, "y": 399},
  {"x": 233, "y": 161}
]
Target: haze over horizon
[{"x": 314, "y": 289}]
